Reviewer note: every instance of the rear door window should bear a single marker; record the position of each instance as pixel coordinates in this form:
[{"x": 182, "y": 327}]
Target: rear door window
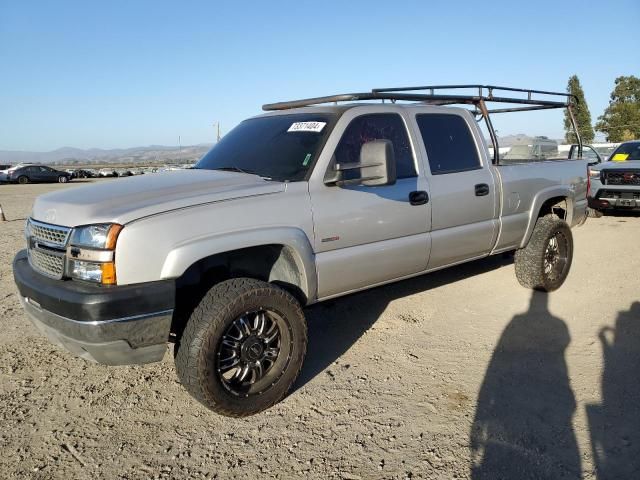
[{"x": 449, "y": 144}]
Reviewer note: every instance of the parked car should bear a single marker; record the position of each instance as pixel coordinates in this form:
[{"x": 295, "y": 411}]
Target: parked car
[
  {"x": 37, "y": 174},
  {"x": 534, "y": 149},
  {"x": 82, "y": 173},
  {"x": 4, "y": 172},
  {"x": 107, "y": 172},
  {"x": 303, "y": 204},
  {"x": 615, "y": 185}
]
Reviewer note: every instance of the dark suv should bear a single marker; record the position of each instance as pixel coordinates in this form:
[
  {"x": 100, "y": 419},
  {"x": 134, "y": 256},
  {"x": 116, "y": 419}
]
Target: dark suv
[{"x": 37, "y": 173}]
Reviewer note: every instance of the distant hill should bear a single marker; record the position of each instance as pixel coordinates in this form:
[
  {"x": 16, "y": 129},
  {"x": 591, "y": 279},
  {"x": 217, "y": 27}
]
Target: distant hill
[{"x": 70, "y": 155}]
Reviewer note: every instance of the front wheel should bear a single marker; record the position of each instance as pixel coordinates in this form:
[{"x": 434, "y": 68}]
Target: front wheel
[
  {"x": 23, "y": 180},
  {"x": 545, "y": 262},
  {"x": 242, "y": 347},
  {"x": 62, "y": 179}
]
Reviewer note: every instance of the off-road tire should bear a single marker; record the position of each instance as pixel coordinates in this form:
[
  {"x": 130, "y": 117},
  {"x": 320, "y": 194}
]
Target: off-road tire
[
  {"x": 23, "y": 180},
  {"x": 530, "y": 260},
  {"x": 197, "y": 349},
  {"x": 594, "y": 213}
]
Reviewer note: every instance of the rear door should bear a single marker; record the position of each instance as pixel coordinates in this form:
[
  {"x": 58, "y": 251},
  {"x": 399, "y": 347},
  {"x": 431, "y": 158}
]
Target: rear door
[
  {"x": 368, "y": 235},
  {"x": 462, "y": 188}
]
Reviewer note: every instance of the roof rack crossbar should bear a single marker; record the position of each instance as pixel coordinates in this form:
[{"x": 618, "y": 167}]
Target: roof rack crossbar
[
  {"x": 480, "y": 88},
  {"x": 416, "y": 97},
  {"x": 521, "y": 109}
]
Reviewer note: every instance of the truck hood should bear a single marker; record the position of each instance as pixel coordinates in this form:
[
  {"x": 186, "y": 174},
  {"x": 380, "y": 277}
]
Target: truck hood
[
  {"x": 627, "y": 165},
  {"x": 127, "y": 199}
]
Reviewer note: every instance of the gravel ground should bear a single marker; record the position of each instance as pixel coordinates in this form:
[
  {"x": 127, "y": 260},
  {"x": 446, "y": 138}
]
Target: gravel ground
[{"x": 458, "y": 374}]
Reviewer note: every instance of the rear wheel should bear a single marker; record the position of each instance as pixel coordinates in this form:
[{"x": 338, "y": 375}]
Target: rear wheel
[
  {"x": 22, "y": 180},
  {"x": 545, "y": 262},
  {"x": 242, "y": 347}
]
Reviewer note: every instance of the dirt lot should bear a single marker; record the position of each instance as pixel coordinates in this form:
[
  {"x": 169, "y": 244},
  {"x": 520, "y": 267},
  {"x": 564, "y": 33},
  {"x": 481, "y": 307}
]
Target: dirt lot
[{"x": 458, "y": 374}]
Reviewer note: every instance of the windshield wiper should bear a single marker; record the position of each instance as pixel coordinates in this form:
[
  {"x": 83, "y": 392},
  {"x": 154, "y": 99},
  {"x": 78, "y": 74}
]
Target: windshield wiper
[{"x": 235, "y": 169}]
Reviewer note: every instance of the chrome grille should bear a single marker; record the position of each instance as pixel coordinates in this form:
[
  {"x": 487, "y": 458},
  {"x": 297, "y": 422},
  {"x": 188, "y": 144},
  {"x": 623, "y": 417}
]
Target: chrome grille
[
  {"x": 47, "y": 263},
  {"x": 50, "y": 234},
  {"x": 46, "y": 247}
]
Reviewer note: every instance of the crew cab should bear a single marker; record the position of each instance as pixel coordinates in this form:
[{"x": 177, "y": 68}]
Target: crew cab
[{"x": 304, "y": 203}]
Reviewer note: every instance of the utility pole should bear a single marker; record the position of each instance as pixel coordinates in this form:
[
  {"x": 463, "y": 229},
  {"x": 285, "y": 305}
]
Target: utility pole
[{"x": 217, "y": 125}]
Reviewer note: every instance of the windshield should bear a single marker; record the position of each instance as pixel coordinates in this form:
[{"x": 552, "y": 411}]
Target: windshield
[
  {"x": 627, "y": 151},
  {"x": 280, "y": 147}
]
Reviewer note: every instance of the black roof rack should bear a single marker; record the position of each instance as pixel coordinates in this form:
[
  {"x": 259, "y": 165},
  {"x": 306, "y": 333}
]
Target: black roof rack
[
  {"x": 438, "y": 95},
  {"x": 485, "y": 93}
]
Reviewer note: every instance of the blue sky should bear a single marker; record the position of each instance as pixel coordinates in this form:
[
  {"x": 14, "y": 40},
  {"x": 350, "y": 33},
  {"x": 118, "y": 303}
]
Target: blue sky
[{"x": 129, "y": 73}]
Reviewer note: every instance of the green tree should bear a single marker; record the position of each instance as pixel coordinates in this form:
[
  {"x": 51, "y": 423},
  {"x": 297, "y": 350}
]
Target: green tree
[
  {"x": 581, "y": 114},
  {"x": 621, "y": 119}
]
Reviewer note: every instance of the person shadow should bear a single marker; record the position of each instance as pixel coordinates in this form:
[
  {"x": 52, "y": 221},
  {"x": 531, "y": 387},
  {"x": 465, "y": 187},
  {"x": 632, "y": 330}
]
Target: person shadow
[
  {"x": 522, "y": 427},
  {"x": 614, "y": 425}
]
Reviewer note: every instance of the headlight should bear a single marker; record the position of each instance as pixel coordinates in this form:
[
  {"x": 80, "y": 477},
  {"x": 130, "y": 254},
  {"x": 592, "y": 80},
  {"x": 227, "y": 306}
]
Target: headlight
[
  {"x": 594, "y": 173},
  {"x": 96, "y": 236},
  {"x": 104, "y": 273},
  {"x": 91, "y": 253}
]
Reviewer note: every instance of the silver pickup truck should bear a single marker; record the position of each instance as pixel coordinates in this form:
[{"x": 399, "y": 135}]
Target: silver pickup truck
[{"x": 302, "y": 204}]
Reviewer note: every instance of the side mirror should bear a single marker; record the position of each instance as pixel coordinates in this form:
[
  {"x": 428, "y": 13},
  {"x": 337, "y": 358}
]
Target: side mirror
[
  {"x": 377, "y": 166},
  {"x": 379, "y": 160}
]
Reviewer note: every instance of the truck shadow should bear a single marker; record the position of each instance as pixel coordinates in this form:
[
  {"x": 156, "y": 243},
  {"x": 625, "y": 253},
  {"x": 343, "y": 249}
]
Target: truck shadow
[
  {"x": 335, "y": 325},
  {"x": 614, "y": 425},
  {"x": 522, "y": 427}
]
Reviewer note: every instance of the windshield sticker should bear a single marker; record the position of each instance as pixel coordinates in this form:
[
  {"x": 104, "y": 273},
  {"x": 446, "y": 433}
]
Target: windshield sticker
[
  {"x": 620, "y": 157},
  {"x": 306, "y": 160},
  {"x": 307, "y": 127}
]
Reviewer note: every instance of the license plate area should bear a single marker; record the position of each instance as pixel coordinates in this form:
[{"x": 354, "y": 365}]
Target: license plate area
[{"x": 625, "y": 202}]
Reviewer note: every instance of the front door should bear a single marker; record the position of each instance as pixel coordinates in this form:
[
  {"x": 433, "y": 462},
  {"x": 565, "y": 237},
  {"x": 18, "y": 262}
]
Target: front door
[{"x": 368, "y": 235}]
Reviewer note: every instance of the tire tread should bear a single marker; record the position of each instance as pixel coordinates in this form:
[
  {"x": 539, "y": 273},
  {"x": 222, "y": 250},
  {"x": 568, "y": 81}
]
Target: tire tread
[
  {"x": 209, "y": 315},
  {"x": 529, "y": 260}
]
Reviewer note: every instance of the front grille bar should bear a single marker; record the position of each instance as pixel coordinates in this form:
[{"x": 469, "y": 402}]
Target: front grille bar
[{"x": 46, "y": 245}]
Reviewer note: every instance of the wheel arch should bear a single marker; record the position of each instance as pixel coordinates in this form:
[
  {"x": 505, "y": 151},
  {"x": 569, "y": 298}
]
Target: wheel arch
[
  {"x": 277, "y": 255},
  {"x": 556, "y": 200}
]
